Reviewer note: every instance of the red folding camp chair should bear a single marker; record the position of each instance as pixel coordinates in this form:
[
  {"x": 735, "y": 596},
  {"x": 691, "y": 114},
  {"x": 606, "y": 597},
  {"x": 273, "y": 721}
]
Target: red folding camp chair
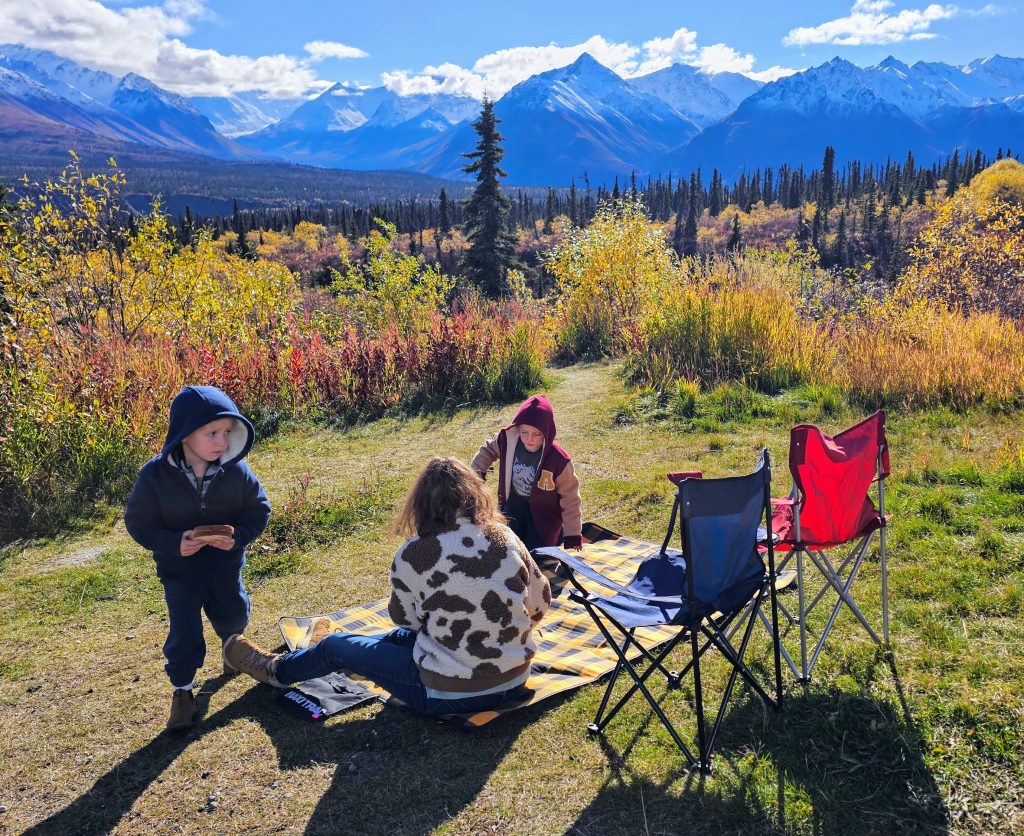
[{"x": 830, "y": 507}]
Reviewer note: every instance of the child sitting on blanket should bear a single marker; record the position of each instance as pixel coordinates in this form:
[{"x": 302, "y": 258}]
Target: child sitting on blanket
[
  {"x": 197, "y": 506},
  {"x": 538, "y": 491},
  {"x": 465, "y": 595}
]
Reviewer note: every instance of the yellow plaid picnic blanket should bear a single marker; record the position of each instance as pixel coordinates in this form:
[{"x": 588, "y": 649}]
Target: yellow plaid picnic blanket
[{"x": 570, "y": 649}]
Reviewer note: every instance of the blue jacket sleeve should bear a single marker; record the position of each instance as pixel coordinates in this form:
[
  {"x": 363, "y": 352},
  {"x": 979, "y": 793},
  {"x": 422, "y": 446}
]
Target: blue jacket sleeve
[
  {"x": 255, "y": 513},
  {"x": 142, "y": 519}
]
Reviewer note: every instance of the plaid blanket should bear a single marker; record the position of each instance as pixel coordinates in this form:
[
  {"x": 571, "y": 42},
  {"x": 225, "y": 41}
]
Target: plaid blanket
[{"x": 570, "y": 650}]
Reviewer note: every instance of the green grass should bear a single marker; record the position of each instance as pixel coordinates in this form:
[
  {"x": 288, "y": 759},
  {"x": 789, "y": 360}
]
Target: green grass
[{"x": 926, "y": 740}]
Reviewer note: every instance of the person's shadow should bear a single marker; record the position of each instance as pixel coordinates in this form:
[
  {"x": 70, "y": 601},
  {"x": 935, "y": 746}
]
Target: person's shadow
[
  {"x": 832, "y": 762},
  {"x": 443, "y": 768}
]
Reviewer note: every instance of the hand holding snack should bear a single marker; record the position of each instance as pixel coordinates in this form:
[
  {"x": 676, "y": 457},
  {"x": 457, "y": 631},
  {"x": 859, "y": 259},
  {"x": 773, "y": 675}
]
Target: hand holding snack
[
  {"x": 189, "y": 546},
  {"x": 218, "y": 536}
]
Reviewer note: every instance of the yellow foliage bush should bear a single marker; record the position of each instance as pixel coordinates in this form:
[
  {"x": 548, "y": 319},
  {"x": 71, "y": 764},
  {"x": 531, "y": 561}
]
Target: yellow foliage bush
[
  {"x": 737, "y": 320},
  {"x": 391, "y": 288},
  {"x": 608, "y": 276},
  {"x": 971, "y": 256},
  {"x": 925, "y": 355}
]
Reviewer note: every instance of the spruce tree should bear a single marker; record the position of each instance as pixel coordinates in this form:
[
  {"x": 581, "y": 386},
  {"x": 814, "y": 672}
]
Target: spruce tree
[
  {"x": 826, "y": 198},
  {"x": 953, "y": 180},
  {"x": 689, "y": 240},
  {"x": 716, "y": 195},
  {"x": 491, "y": 253},
  {"x": 444, "y": 221},
  {"x": 735, "y": 244}
]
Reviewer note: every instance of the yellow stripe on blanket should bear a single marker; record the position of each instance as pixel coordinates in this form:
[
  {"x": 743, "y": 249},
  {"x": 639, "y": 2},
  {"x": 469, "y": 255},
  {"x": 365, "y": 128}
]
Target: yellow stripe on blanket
[{"x": 570, "y": 649}]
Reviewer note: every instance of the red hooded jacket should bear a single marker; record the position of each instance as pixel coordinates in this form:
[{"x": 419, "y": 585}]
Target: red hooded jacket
[{"x": 555, "y": 498}]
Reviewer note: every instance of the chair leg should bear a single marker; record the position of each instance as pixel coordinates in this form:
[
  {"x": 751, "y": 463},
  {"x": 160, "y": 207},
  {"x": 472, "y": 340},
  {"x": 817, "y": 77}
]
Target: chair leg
[
  {"x": 885, "y": 586},
  {"x": 805, "y": 674},
  {"x": 705, "y": 755}
]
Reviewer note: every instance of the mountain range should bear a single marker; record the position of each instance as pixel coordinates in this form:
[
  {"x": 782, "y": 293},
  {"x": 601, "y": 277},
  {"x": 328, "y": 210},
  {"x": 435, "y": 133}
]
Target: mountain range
[{"x": 574, "y": 122}]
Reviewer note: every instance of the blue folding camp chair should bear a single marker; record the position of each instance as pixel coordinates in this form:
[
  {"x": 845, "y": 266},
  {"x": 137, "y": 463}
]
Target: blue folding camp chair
[{"x": 701, "y": 590}]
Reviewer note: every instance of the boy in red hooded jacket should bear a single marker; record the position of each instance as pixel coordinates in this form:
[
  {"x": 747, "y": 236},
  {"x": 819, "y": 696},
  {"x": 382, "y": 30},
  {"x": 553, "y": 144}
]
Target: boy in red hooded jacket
[{"x": 538, "y": 491}]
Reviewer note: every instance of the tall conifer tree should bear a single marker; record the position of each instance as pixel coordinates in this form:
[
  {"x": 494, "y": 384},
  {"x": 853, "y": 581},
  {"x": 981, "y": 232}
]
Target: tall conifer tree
[{"x": 491, "y": 251}]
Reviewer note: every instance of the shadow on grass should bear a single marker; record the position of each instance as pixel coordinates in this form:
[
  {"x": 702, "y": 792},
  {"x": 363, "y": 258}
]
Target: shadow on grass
[
  {"x": 394, "y": 772},
  {"x": 829, "y": 763}
]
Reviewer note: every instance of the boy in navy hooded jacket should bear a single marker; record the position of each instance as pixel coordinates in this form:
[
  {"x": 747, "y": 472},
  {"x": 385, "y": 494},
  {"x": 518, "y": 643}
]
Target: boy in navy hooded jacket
[
  {"x": 199, "y": 478},
  {"x": 538, "y": 491}
]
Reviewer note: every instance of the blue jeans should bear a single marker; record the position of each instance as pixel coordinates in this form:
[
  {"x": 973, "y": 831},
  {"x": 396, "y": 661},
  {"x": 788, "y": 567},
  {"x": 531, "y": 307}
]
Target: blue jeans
[
  {"x": 386, "y": 660},
  {"x": 226, "y": 605}
]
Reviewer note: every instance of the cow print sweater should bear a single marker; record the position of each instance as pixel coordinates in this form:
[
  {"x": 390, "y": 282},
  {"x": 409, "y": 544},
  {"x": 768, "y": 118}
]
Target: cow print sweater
[{"x": 473, "y": 595}]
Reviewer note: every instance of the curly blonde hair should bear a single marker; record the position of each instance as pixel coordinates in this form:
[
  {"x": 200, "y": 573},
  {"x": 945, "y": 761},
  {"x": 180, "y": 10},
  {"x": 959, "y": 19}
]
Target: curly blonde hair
[{"x": 445, "y": 489}]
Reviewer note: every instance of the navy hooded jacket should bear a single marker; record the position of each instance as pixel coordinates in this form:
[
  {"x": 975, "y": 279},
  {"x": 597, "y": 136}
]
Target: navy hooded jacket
[{"x": 164, "y": 503}]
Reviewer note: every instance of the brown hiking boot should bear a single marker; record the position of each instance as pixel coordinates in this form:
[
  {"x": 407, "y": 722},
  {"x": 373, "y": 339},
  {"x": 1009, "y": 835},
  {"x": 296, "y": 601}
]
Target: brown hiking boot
[
  {"x": 247, "y": 657},
  {"x": 322, "y": 628},
  {"x": 183, "y": 704}
]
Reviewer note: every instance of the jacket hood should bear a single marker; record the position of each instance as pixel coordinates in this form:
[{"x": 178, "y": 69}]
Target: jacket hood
[
  {"x": 537, "y": 411},
  {"x": 196, "y": 406}
]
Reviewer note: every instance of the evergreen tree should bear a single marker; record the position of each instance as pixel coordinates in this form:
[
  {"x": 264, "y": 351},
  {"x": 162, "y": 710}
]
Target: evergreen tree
[
  {"x": 689, "y": 237},
  {"x": 444, "y": 221},
  {"x": 827, "y": 194},
  {"x": 716, "y": 196},
  {"x": 549, "y": 211},
  {"x": 842, "y": 254},
  {"x": 678, "y": 233},
  {"x": 735, "y": 244},
  {"x": 491, "y": 251},
  {"x": 953, "y": 179}
]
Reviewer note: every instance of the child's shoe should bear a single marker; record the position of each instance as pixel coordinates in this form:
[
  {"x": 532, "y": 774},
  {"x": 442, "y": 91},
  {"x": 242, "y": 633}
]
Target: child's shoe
[
  {"x": 183, "y": 705},
  {"x": 244, "y": 655},
  {"x": 228, "y": 670},
  {"x": 322, "y": 628}
]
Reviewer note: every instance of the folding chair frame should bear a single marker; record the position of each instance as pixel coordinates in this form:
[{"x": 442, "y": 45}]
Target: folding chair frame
[
  {"x": 835, "y": 580},
  {"x": 703, "y": 633}
]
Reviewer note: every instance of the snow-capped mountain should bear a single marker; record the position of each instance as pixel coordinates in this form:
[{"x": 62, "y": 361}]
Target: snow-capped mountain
[
  {"x": 924, "y": 88},
  {"x": 557, "y": 125},
  {"x": 735, "y": 85},
  {"x": 691, "y": 92},
  {"x": 243, "y": 113},
  {"x": 868, "y": 114},
  {"x": 563, "y": 123},
  {"x": 1003, "y": 76},
  {"x": 347, "y": 126},
  {"x": 61, "y": 75},
  {"x": 131, "y": 108}
]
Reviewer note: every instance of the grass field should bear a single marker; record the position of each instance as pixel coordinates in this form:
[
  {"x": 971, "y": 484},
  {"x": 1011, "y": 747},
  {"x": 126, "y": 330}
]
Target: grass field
[{"x": 926, "y": 740}]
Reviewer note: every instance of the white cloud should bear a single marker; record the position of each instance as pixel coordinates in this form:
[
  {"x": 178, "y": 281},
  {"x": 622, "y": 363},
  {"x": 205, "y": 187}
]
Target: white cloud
[
  {"x": 148, "y": 42},
  {"x": 772, "y": 74},
  {"x": 319, "y": 50},
  {"x": 719, "y": 58},
  {"x": 679, "y": 47},
  {"x": 495, "y": 74},
  {"x": 872, "y": 5},
  {"x": 869, "y": 22}
]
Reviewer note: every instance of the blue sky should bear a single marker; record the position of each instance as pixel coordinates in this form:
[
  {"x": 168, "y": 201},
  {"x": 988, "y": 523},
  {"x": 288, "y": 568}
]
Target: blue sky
[{"x": 214, "y": 47}]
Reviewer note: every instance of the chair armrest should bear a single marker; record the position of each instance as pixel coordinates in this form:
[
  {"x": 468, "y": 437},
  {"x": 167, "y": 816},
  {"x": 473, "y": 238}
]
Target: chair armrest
[
  {"x": 677, "y": 476},
  {"x": 784, "y": 500},
  {"x": 577, "y": 564}
]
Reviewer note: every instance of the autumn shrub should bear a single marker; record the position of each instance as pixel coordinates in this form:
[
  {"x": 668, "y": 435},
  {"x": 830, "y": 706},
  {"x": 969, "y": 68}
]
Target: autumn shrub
[
  {"x": 971, "y": 256},
  {"x": 737, "y": 322},
  {"x": 924, "y": 355},
  {"x": 608, "y": 276},
  {"x": 481, "y": 352}
]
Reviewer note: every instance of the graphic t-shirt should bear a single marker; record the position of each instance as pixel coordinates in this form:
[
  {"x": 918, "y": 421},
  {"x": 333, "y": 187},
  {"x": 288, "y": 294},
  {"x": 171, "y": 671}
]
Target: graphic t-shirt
[{"x": 524, "y": 470}]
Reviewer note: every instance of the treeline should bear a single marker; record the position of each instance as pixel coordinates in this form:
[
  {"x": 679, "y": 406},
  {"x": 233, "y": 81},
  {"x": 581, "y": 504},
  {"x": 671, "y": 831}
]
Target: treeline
[{"x": 891, "y": 184}]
